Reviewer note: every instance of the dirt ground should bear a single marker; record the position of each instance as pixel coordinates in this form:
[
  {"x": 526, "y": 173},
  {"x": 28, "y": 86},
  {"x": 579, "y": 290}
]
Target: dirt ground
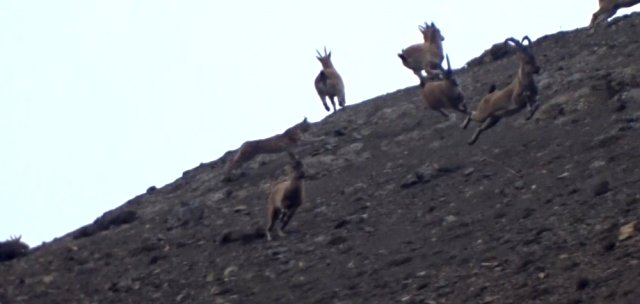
[{"x": 399, "y": 209}]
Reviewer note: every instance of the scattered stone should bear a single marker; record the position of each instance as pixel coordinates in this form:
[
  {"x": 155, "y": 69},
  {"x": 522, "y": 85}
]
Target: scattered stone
[
  {"x": 599, "y": 187},
  {"x": 337, "y": 240},
  {"x": 627, "y": 231},
  {"x": 519, "y": 185},
  {"x": 342, "y": 223},
  {"x": 398, "y": 261},
  {"x": 112, "y": 218},
  {"x": 240, "y": 209},
  {"x": 582, "y": 284},
  {"x": 450, "y": 219},
  {"x": 468, "y": 171},
  {"x": 423, "y": 175},
  {"x": 151, "y": 189},
  {"x": 229, "y": 272}
]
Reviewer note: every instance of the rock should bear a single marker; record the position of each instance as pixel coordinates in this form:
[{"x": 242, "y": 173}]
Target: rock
[
  {"x": 109, "y": 219},
  {"x": 151, "y": 189},
  {"x": 627, "y": 231},
  {"x": 229, "y": 272},
  {"x": 337, "y": 240},
  {"x": 468, "y": 171},
  {"x": 519, "y": 185},
  {"x": 240, "y": 209},
  {"x": 341, "y": 223},
  {"x": 398, "y": 261},
  {"x": 187, "y": 213},
  {"x": 450, "y": 219},
  {"x": 599, "y": 187},
  {"x": 582, "y": 283},
  {"x": 424, "y": 174}
]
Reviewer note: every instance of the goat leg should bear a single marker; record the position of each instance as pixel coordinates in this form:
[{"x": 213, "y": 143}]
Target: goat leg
[
  {"x": 532, "y": 110},
  {"x": 490, "y": 122},
  {"x": 287, "y": 218}
]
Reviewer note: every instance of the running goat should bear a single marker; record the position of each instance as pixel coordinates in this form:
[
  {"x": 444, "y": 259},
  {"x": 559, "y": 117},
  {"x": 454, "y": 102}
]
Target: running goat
[
  {"x": 285, "y": 198},
  {"x": 427, "y": 56},
  {"x": 521, "y": 93}
]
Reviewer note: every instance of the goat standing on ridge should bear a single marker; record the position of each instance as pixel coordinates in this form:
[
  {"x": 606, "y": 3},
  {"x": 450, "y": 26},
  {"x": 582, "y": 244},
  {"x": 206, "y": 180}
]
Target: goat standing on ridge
[
  {"x": 427, "y": 56},
  {"x": 521, "y": 93},
  {"x": 285, "y": 198},
  {"x": 607, "y": 9},
  {"x": 13, "y": 248},
  {"x": 328, "y": 83},
  {"x": 275, "y": 144},
  {"x": 445, "y": 93}
]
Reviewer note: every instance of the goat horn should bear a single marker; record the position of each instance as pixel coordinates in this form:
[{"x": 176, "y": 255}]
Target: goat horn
[
  {"x": 448, "y": 64},
  {"x": 526, "y": 38},
  {"x": 325, "y": 51},
  {"x": 319, "y": 55},
  {"x": 514, "y": 41}
]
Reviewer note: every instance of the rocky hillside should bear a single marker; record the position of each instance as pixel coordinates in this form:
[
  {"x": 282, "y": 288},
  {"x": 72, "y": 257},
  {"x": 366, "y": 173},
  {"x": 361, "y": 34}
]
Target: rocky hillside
[{"x": 399, "y": 208}]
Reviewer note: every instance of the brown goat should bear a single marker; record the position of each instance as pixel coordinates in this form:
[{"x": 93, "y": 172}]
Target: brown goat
[
  {"x": 285, "y": 198},
  {"x": 13, "y": 248},
  {"x": 426, "y": 56},
  {"x": 444, "y": 94},
  {"x": 607, "y": 9},
  {"x": 275, "y": 144},
  {"x": 521, "y": 93},
  {"x": 328, "y": 83}
]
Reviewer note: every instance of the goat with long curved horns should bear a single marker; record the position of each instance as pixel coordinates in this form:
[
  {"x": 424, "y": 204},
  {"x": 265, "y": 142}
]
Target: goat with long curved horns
[
  {"x": 521, "y": 93},
  {"x": 444, "y": 93}
]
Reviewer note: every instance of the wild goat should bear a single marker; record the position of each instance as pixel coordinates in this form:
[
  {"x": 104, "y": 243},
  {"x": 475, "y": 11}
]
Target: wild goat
[
  {"x": 425, "y": 56},
  {"x": 607, "y": 9},
  {"x": 285, "y": 198},
  {"x": 522, "y": 92},
  {"x": 275, "y": 144},
  {"x": 13, "y": 248},
  {"x": 445, "y": 93},
  {"x": 329, "y": 83}
]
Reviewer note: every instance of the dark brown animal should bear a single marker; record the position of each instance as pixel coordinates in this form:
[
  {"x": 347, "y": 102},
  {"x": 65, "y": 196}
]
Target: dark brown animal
[{"x": 13, "y": 248}]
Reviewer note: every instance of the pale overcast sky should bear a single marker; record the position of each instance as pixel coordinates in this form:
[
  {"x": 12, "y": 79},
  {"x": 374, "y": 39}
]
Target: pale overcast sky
[{"x": 101, "y": 99}]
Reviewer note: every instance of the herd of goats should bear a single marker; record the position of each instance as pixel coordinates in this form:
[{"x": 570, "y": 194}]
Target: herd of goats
[{"x": 439, "y": 89}]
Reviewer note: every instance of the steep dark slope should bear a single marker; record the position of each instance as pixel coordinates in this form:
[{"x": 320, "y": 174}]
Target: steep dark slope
[{"x": 399, "y": 208}]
